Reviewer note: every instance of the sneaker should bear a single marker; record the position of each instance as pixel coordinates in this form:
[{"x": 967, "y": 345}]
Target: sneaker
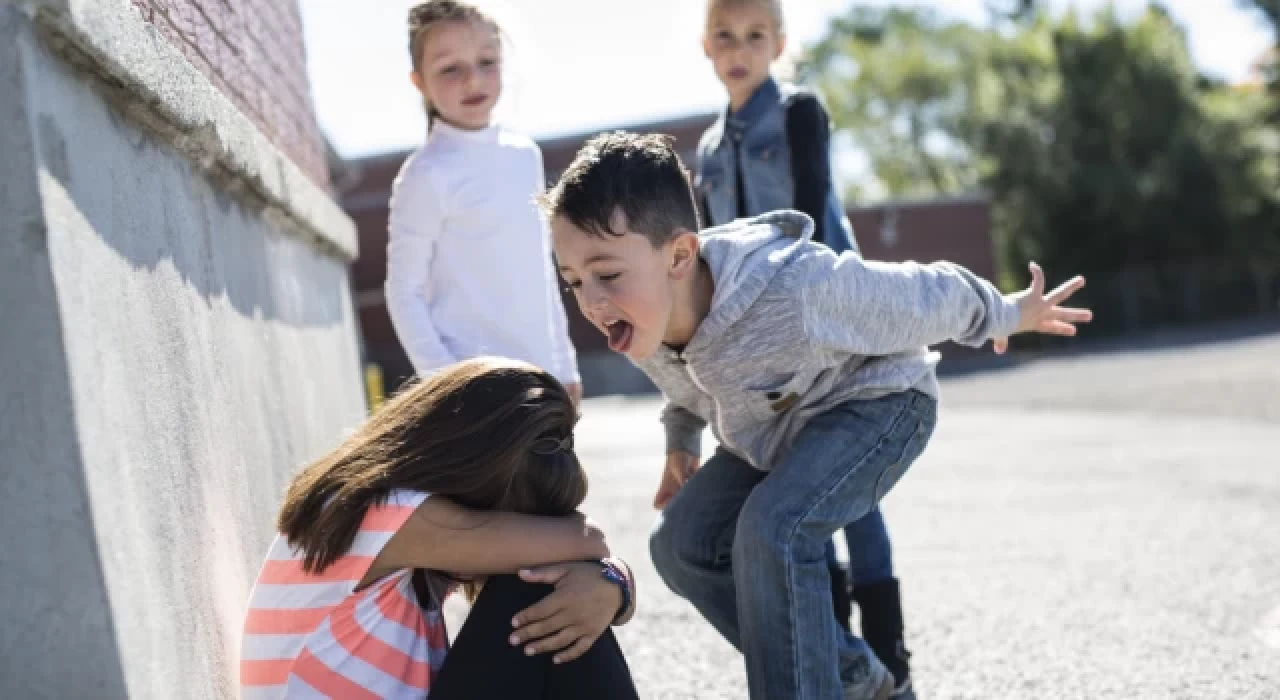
[
  {"x": 904, "y": 691},
  {"x": 877, "y": 685}
]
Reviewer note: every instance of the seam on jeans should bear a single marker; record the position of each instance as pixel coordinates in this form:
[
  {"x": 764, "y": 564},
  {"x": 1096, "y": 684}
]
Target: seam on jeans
[
  {"x": 916, "y": 435},
  {"x": 791, "y": 603}
]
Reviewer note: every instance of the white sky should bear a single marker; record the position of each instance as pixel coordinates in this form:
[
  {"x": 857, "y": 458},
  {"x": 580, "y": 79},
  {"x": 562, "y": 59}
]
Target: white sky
[{"x": 580, "y": 64}]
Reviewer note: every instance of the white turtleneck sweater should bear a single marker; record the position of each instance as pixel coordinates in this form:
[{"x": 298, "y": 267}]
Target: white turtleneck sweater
[{"x": 469, "y": 269}]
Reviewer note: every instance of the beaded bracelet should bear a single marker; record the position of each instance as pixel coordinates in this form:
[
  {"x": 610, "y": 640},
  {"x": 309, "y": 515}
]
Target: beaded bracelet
[{"x": 616, "y": 574}]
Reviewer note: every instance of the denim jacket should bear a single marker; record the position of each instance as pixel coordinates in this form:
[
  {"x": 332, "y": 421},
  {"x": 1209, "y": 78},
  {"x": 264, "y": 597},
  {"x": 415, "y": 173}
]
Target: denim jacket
[{"x": 756, "y": 138}]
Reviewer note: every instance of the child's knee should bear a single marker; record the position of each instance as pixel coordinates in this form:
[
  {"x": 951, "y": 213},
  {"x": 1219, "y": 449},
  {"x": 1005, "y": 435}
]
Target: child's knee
[
  {"x": 760, "y": 530},
  {"x": 678, "y": 543},
  {"x": 664, "y": 543},
  {"x": 765, "y": 532},
  {"x": 508, "y": 594}
]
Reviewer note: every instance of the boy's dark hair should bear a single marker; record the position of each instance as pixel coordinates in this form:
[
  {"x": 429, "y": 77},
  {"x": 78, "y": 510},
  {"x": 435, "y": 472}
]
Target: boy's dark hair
[{"x": 638, "y": 175}]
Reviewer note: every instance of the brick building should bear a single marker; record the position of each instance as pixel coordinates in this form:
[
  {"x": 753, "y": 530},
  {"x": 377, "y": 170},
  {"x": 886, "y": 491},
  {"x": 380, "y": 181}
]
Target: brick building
[
  {"x": 253, "y": 53},
  {"x": 954, "y": 229}
]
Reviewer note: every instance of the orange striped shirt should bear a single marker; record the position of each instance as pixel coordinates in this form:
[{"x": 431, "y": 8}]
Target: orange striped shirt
[{"x": 312, "y": 635}]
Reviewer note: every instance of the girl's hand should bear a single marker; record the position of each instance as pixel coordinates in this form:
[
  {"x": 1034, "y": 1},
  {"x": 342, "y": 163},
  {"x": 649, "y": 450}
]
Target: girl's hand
[
  {"x": 1041, "y": 313},
  {"x": 571, "y": 618}
]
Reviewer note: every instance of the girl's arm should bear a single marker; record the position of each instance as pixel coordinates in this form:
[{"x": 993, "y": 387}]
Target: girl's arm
[
  {"x": 809, "y": 139},
  {"x": 445, "y": 536},
  {"x": 565, "y": 357},
  {"x": 413, "y": 229}
]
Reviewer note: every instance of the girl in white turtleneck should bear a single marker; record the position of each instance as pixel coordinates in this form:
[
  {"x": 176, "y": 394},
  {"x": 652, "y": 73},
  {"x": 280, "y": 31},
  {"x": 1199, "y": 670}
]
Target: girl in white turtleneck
[{"x": 469, "y": 268}]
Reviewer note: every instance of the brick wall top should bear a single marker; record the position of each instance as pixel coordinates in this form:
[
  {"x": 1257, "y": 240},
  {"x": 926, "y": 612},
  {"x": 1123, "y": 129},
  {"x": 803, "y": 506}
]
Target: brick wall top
[{"x": 252, "y": 50}]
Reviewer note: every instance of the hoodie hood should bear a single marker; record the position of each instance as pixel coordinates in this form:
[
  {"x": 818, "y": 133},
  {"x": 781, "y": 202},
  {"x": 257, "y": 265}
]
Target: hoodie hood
[{"x": 743, "y": 257}]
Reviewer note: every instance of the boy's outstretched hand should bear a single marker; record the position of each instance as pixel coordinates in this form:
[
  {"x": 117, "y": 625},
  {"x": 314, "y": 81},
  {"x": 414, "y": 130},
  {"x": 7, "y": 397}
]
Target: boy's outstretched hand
[{"x": 1042, "y": 313}]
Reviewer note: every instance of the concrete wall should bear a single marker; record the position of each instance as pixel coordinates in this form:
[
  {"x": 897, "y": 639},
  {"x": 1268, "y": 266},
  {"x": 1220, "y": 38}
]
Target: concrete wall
[{"x": 176, "y": 338}]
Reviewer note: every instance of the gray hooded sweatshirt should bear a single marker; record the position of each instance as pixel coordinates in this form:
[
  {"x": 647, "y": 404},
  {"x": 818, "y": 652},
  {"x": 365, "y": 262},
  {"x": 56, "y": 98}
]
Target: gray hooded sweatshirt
[{"x": 795, "y": 330}]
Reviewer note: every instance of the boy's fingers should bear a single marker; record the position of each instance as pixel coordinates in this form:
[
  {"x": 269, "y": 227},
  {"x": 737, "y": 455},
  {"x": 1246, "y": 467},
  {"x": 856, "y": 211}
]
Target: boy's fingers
[
  {"x": 1071, "y": 315},
  {"x": 1064, "y": 290},
  {"x": 660, "y": 496},
  {"x": 1057, "y": 328},
  {"x": 1000, "y": 345},
  {"x": 1037, "y": 279},
  {"x": 579, "y": 648}
]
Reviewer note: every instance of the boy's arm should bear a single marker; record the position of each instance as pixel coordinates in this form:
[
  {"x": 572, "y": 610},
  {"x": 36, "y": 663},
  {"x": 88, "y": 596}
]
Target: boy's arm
[
  {"x": 413, "y": 228},
  {"x": 684, "y": 429},
  {"x": 445, "y": 536},
  {"x": 877, "y": 308}
]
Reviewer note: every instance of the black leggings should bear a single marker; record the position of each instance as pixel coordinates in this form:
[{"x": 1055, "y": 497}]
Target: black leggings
[{"x": 482, "y": 664}]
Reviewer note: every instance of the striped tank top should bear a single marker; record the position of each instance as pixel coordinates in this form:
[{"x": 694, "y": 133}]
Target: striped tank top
[{"x": 312, "y": 635}]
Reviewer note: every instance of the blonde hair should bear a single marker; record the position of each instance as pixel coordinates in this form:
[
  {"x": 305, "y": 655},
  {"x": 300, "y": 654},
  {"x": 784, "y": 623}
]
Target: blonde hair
[
  {"x": 425, "y": 16},
  {"x": 773, "y": 7}
]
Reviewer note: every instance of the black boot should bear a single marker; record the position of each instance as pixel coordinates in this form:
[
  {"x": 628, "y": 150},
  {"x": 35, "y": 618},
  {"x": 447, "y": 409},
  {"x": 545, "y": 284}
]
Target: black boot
[
  {"x": 840, "y": 599},
  {"x": 881, "y": 608}
]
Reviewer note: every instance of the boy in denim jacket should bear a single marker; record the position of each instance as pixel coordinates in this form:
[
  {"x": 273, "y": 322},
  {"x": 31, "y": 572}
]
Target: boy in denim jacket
[{"x": 812, "y": 370}]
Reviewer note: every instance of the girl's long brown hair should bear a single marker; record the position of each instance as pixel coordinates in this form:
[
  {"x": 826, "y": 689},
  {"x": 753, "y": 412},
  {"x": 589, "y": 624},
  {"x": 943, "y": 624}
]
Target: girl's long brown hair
[{"x": 488, "y": 433}]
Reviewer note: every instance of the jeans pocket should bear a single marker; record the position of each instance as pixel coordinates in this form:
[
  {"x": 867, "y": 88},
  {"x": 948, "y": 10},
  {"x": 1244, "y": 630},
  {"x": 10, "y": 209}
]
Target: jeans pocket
[
  {"x": 911, "y": 450},
  {"x": 889, "y": 478}
]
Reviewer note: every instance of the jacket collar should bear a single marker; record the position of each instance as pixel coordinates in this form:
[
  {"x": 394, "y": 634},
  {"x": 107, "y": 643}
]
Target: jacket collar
[{"x": 734, "y": 125}]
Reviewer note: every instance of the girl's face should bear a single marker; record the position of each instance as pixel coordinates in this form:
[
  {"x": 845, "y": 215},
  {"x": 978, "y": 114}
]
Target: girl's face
[
  {"x": 742, "y": 41},
  {"x": 460, "y": 72}
]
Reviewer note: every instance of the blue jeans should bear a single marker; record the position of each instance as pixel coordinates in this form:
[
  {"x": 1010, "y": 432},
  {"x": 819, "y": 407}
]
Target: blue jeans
[
  {"x": 747, "y": 548},
  {"x": 870, "y": 553}
]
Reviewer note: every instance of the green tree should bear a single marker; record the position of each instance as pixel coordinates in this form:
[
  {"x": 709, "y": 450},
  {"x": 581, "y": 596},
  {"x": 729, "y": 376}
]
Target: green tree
[
  {"x": 1102, "y": 148},
  {"x": 896, "y": 80},
  {"x": 1269, "y": 10}
]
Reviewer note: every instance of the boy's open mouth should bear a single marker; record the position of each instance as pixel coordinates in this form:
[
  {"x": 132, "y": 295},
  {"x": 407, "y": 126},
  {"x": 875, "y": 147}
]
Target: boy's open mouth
[{"x": 619, "y": 333}]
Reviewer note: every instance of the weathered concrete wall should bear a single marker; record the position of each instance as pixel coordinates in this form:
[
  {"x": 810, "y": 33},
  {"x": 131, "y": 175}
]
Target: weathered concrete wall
[{"x": 176, "y": 338}]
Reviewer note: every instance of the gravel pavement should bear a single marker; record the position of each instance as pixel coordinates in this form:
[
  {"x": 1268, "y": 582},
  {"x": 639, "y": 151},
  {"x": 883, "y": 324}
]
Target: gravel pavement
[{"x": 1104, "y": 525}]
